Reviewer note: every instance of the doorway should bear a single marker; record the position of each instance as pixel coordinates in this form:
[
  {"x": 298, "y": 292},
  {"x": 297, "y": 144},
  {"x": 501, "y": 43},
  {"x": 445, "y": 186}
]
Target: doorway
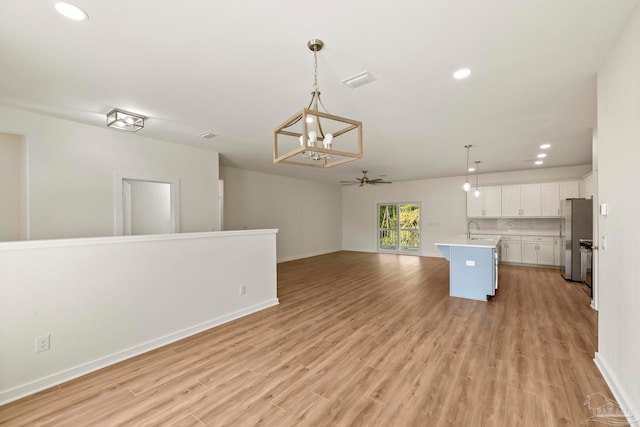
[
  {"x": 146, "y": 205},
  {"x": 399, "y": 227}
]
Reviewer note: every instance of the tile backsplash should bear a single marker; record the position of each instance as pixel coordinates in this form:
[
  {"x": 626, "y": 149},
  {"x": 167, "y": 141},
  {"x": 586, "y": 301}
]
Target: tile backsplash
[{"x": 543, "y": 224}]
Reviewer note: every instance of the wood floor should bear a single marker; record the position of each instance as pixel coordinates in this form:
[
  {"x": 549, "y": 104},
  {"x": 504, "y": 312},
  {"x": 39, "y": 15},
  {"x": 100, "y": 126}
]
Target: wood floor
[{"x": 358, "y": 339}]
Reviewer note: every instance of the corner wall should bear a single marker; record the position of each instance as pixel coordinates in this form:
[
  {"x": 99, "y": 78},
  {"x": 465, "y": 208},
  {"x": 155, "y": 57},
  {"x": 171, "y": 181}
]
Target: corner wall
[
  {"x": 618, "y": 175},
  {"x": 307, "y": 214}
]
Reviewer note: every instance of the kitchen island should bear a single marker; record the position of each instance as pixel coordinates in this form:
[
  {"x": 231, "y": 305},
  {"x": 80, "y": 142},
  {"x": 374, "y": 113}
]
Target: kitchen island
[{"x": 473, "y": 265}]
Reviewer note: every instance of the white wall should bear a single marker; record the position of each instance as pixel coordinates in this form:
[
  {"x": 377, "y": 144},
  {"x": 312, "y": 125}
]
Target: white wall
[
  {"x": 618, "y": 145},
  {"x": 443, "y": 205},
  {"x": 106, "y": 299},
  {"x": 10, "y": 186},
  {"x": 71, "y": 168},
  {"x": 307, "y": 214}
]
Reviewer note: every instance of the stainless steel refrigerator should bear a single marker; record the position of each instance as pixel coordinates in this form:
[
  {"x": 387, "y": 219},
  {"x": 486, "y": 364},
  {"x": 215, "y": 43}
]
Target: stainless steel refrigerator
[{"x": 577, "y": 224}]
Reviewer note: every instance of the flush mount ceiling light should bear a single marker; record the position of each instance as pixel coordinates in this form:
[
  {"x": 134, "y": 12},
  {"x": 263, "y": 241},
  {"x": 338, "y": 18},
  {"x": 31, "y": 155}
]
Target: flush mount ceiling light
[
  {"x": 477, "y": 190},
  {"x": 71, "y": 11},
  {"x": 124, "y": 120},
  {"x": 462, "y": 73},
  {"x": 308, "y": 138},
  {"x": 467, "y": 186}
]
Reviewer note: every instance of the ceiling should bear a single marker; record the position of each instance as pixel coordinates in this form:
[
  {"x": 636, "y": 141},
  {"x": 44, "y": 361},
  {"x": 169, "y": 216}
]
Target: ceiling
[{"x": 240, "y": 68}]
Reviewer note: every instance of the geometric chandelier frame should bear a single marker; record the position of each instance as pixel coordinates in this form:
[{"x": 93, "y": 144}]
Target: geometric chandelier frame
[{"x": 308, "y": 137}]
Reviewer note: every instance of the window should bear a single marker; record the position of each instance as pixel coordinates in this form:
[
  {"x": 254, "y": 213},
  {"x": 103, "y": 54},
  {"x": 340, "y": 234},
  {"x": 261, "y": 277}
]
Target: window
[{"x": 399, "y": 227}]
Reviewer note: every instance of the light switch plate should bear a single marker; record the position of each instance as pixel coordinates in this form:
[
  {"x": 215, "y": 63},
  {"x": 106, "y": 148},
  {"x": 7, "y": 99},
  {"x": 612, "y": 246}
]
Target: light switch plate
[
  {"x": 470, "y": 263},
  {"x": 604, "y": 209}
]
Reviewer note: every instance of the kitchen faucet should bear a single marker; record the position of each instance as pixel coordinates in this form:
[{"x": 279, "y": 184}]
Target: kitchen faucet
[{"x": 469, "y": 228}]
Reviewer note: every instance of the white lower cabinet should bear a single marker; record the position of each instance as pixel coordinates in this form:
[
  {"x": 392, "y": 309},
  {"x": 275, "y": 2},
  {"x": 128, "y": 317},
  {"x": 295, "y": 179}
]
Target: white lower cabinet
[
  {"x": 510, "y": 249},
  {"x": 538, "y": 250},
  {"x": 557, "y": 248}
]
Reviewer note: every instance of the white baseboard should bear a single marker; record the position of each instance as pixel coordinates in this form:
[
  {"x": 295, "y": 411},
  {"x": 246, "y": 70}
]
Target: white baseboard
[
  {"x": 40, "y": 384},
  {"x": 307, "y": 255},
  {"x": 633, "y": 417}
]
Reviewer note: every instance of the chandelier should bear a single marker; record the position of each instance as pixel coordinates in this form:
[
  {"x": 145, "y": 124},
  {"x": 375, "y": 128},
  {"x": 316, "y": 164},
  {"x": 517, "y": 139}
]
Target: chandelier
[{"x": 316, "y": 138}]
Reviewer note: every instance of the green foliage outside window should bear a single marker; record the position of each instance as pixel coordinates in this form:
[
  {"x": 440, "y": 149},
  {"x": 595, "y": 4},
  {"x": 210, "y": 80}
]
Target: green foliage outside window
[{"x": 409, "y": 226}]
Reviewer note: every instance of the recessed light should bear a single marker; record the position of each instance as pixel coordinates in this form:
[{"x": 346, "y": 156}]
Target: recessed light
[
  {"x": 471, "y": 169},
  {"x": 541, "y": 155},
  {"x": 462, "y": 73},
  {"x": 71, "y": 11},
  {"x": 538, "y": 162},
  {"x": 545, "y": 146}
]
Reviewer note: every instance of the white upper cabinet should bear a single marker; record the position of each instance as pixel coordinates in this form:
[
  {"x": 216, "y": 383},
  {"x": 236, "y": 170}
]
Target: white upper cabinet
[
  {"x": 569, "y": 190},
  {"x": 586, "y": 187},
  {"x": 475, "y": 205},
  {"x": 530, "y": 200},
  {"x": 521, "y": 200},
  {"x": 511, "y": 200},
  {"x": 551, "y": 199},
  {"x": 488, "y": 204},
  {"x": 493, "y": 201}
]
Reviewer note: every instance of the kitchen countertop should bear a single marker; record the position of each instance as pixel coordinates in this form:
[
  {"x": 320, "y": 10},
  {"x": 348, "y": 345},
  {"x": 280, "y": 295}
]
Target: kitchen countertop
[
  {"x": 486, "y": 231},
  {"x": 487, "y": 241}
]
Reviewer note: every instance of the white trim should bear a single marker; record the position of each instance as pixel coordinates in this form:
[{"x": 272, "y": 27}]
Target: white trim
[
  {"x": 80, "y": 370},
  {"x": 618, "y": 393},
  {"x": 85, "y": 241},
  {"x": 307, "y": 255},
  {"x": 118, "y": 177}
]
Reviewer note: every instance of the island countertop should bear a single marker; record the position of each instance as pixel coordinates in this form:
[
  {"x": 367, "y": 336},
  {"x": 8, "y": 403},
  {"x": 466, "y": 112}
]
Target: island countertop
[{"x": 486, "y": 241}]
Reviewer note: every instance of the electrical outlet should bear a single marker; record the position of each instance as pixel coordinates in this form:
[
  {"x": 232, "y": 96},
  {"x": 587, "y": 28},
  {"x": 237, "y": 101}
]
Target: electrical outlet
[
  {"x": 43, "y": 343},
  {"x": 243, "y": 289}
]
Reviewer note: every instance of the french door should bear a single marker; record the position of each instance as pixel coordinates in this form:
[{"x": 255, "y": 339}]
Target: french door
[{"x": 399, "y": 227}]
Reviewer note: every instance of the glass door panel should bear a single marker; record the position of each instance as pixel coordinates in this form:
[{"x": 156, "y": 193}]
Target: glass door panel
[
  {"x": 388, "y": 227},
  {"x": 399, "y": 227}
]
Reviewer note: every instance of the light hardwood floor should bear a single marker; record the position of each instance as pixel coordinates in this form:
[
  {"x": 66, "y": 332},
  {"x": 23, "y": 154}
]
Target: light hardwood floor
[{"x": 358, "y": 339}]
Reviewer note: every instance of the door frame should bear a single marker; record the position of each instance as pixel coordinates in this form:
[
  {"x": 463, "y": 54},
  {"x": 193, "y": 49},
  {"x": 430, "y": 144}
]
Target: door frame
[
  {"x": 119, "y": 204},
  {"x": 399, "y": 250}
]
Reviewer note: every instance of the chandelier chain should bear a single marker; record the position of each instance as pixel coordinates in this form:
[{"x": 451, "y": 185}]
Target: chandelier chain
[{"x": 315, "y": 71}]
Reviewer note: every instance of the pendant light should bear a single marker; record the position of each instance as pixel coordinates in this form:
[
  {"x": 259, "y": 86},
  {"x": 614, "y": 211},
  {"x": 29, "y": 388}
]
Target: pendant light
[
  {"x": 466, "y": 187},
  {"x": 313, "y": 137},
  {"x": 477, "y": 190}
]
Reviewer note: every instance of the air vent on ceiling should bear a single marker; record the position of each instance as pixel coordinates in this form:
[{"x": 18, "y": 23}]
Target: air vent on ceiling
[
  {"x": 207, "y": 135},
  {"x": 359, "y": 79}
]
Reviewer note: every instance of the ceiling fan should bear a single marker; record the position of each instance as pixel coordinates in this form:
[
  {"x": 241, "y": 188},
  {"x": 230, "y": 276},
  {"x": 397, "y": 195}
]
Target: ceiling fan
[{"x": 365, "y": 180}]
